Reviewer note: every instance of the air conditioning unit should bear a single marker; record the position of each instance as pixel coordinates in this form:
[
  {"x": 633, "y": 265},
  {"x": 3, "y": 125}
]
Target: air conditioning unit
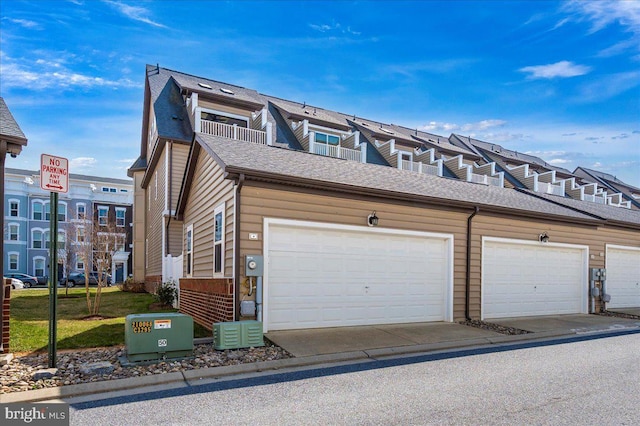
[
  {"x": 237, "y": 334},
  {"x": 158, "y": 336}
]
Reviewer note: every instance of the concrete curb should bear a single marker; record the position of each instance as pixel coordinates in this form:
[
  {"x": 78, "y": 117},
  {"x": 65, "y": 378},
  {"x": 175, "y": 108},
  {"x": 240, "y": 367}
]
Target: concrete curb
[{"x": 195, "y": 377}]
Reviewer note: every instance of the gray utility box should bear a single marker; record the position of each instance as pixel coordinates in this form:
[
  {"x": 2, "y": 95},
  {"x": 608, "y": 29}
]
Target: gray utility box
[
  {"x": 150, "y": 337},
  {"x": 238, "y": 334}
]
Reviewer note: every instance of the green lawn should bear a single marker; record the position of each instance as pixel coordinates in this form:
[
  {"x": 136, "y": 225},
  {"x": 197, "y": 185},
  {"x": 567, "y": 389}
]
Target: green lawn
[{"x": 30, "y": 318}]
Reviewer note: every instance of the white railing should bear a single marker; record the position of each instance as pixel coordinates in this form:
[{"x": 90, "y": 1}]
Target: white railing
[
  {"x": 594, "y": 199},
  {"x": 494, "y": 181},
  {"x": 419, "y": 167},
  {"x": 476, "y": 178},
  {"x": 233, "y": 132},
  {"x": 337, "y": 151},
  {"x": 548, "y": 188}
]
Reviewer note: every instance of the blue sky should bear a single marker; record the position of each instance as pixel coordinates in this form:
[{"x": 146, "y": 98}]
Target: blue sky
[{"x": 560, "y": 80}]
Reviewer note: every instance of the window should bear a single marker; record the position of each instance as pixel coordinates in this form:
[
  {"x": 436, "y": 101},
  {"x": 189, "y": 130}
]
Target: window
[
  {"x": 79, "y": 265},
  {"x": 327, "y": 139},
  {"x": 218, "y": 239},
  {"x": 62, "y": 239},
  {"x": 80, "y": 235},
  {"x": 14, "y": 208},
  {"x": 37, "y": 211},
  {"x": 47, "y": 211},
  {"x": 38, "y": 266},
  {"x": 62, "y": 212},
  {"x": 124, "y": 190},
  {"x": 14, "y": 232},
  {"x": 47, "y": 240},
  {"x": 13, "y": 261},
  {"x": 109, "y": 189},
  {"x": 103, "y": 212},
  {"x": 81, "y": 211},
  {"x": 37, "y": 237},
  {"x": 120, "y": 213},
  {"x": 225, "y": 119},
  {"x": 189, "y": 250}
]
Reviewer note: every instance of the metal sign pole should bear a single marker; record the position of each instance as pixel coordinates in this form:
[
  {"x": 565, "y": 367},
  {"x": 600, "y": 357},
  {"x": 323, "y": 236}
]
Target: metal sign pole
[{"x": 53, "y": 276}]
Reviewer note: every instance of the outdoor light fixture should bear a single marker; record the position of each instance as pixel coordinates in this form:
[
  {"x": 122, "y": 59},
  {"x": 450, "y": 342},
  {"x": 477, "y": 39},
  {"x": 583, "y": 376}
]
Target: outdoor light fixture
[
  {"x": 543, "y": 238},
  {"x": 372, "y": 219}
]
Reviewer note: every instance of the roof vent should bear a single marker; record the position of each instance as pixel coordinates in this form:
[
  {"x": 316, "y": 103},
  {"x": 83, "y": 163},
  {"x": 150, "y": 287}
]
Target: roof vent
[
  {"x": 386, "y": 130},
  {"x": 227, "y": 91},
  {"x": 205, "y": 85}
]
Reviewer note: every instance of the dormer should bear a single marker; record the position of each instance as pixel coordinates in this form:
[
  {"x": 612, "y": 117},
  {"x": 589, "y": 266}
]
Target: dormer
[
  {"x": 224, "y": 110},
  {"x": 532, "y": 180},
  {"x": 484, "y": 174}
]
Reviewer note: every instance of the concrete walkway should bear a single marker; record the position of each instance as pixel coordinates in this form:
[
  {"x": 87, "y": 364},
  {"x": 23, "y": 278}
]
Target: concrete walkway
[
  {"x": 322, "y": 341},
  {"x": 630, "y": 311}
]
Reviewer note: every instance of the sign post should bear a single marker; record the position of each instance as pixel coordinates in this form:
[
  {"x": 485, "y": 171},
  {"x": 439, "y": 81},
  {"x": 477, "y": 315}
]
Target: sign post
[{"x": 54, "y": 177}]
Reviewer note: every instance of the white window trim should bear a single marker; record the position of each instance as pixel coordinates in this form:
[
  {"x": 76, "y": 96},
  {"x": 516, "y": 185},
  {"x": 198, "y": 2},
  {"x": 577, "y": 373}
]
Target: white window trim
[
  {"x": 66, "y": 211},
  {"x": 121, "y": 209},
  {"x": 42, "y": 240},
  {"x": 78, "y": 233},
  {"x": 107, "y": 216},
  {"x": 9, "y": 254},
  {"x": 33, "y": 212},
  {"x": 44, "y": 269},
  {"x": 219, "y": 209},
  {"x": 9, "y": 225},
  {"x": 13, "y": 200},
  {"x": 84, "y": 205},
  {"x": 226, "y": 114},
  {"x": 189, "y": 251}
]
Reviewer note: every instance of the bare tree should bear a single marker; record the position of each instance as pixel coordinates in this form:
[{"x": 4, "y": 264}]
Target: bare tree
[{"x": 102, "y": 240}]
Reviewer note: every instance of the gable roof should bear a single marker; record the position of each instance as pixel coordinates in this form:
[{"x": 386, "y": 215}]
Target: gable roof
[
  {"x": 295, "y": 168},
  {"x": 9, "y": 128},
  {"x": 320, "y": 116}
]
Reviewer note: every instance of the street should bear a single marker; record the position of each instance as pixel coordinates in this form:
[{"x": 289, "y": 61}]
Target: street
[{"x": 588, "y": 382}]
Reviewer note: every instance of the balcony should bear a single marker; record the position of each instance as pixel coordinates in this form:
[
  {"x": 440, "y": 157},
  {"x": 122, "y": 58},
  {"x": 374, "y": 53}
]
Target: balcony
[
  {"x": 336, "y": 151},
  {"x": 233, "y": 132},
  {"x": 418, "y": 167},
  {"x": 594, "y": 199},
  {"x": 485, "y": 180},
  {"x": 548, "y": 188}
]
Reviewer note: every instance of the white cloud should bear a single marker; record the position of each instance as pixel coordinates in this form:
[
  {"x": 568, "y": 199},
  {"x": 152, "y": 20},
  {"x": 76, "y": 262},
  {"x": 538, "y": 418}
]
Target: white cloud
[
  {"x": 609, "y": 86},
  {"x": 335, "y": 27},
  {"x": 25, "y": 23},
  {"x": 82, "y": 163},
  {"x": 136, "y": 13},
  {"x": 604, "y": 13},
  {"x": 43, "y": 74},
  {"x": 563, "y": 69},
  {"x": 558, "y": 161},
  {"x": 468, "y": 127}
]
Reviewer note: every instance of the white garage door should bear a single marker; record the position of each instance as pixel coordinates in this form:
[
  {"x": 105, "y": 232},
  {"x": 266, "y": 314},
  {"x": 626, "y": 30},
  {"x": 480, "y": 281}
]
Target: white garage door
[
  {"x": 523, "y": 279},
  {"x": 623, "y": 277},
  {"x": 324, "y": 277}
]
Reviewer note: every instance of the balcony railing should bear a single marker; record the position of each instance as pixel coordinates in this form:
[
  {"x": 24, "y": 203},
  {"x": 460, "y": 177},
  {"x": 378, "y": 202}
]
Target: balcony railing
[
  {"x": 485, "y": 179},
  {"x": 233, "y": 132},
  {"x": 548, "y": 188},
  {"x": 337, "y": 151},
  {"x": 418, "y": 167},
  {"x": 594, "y": 199}
]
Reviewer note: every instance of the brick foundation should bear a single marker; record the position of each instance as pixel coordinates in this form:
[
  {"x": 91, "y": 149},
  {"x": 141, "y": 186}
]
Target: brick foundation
[
  {"x": 207, "y": 300},
  {"x": 5, "y": 316}
]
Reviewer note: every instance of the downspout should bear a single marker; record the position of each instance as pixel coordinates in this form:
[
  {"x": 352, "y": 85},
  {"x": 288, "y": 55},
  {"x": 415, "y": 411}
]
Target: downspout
[
  {"x": 467, "y": 293},
  {"x": 236, "y": 249},
  {"x": 168, "y": 189}
]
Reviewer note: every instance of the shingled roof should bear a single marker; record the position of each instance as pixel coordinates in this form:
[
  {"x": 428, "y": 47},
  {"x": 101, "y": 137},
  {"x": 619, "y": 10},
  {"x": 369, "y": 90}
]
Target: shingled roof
[
  {"x": 9, "y": 128},
  {"x": 299, "y": 168}
]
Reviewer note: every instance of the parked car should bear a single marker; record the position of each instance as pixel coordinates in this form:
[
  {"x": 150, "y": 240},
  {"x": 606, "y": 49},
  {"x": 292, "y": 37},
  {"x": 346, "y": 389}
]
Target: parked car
[
  {"x": 79, "y": 279},
  {"x": 28, "y": 280},
  {"x": 43, "y": 280},
  {"x": 16, "y": 284}
]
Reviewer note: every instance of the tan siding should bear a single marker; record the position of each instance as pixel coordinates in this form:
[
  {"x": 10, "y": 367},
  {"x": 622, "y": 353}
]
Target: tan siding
[
  {"x": 155, "y": 220},
  {"x": 224, "y": 108},
  {"x": 179, "y": 163},
  {"x": 209, "y": 190},
  {"x": 139, "y": 215},
  {"x": 175, "y": 237},
  {"x": 261, "y": 202}
]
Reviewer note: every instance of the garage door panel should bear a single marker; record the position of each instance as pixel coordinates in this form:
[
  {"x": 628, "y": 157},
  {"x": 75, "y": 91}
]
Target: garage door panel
[
  {"x": 521, "y": 279},
  {"x": 623, "y": 277},
  {"x": 328, "y": 278}
]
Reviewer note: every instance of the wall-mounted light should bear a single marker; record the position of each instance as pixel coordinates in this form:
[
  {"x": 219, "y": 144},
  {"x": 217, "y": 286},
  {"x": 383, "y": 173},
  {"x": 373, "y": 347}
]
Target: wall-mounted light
[
  {"x": 543, "y": 238},
  {"x": 372, "y": 219}
]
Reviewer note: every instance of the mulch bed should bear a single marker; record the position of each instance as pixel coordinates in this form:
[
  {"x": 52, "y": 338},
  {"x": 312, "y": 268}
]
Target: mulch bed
[{"x": 511, "y": 331}]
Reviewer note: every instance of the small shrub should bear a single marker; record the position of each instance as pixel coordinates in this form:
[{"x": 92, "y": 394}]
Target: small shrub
[
  {"x": 166, "y": 293},
  {"x": 131, "y": 286}
]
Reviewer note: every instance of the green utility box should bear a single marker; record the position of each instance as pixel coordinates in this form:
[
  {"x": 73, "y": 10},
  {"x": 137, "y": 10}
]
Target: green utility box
[
  {"x": 238, "y": 334},
  {"x": 150, "y": 337}
]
